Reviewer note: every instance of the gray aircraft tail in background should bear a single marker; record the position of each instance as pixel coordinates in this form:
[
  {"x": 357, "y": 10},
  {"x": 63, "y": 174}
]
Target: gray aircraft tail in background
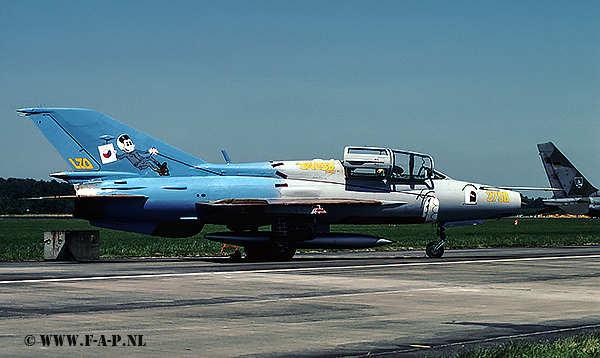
[{"x": 576, "y": 195}]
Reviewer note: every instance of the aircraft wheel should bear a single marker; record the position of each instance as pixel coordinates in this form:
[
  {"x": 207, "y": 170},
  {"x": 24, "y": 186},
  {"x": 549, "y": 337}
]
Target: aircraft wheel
[
  {"x": 236, "y": 256},
  {"x": 282, "y": 250},
  {"x": 432, "y": 252},
  {"x": 256, "y": 253},
  {"x": 276, "y": 250}
]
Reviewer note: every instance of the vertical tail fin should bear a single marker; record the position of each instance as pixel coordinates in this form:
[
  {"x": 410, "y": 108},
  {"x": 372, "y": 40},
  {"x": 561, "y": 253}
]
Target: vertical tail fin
[
  {"x": 90, "y": 141},
  {"x": 562, "y": 174}
]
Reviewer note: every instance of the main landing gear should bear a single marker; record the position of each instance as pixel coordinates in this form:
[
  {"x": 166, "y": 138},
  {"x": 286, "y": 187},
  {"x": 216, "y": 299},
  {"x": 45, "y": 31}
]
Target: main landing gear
[
  {"x": 435, "y": 249},
  {"x": 287, "y": 230},
  {"x": 276, "y": 249}
]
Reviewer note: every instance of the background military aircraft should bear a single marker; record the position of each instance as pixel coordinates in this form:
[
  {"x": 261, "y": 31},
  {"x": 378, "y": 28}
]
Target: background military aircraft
[
  {"x": 574, "y": 194},
  {"x": 127, "y": 180}
]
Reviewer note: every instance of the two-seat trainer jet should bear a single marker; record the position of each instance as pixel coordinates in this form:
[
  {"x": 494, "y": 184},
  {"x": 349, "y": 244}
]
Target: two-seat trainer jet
[{"x": 127, "y": 180}]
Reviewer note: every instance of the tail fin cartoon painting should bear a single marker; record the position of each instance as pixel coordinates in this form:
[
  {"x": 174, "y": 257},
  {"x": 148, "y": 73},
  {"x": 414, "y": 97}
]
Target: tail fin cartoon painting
[
  {"x": 93, "y": 143},
  {"x": 576, "y": 195}
]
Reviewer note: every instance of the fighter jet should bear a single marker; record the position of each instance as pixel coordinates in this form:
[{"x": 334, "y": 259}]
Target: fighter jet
[
  {"x": 574, "y": 194},
  {"x": 127, "y": 180}
]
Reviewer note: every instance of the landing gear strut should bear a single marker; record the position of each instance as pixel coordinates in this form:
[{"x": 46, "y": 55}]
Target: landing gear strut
[
  {"x": 277, "y": 249},
  {"x": 435, "y": 249},
  {"x": 286, "y": 231}
]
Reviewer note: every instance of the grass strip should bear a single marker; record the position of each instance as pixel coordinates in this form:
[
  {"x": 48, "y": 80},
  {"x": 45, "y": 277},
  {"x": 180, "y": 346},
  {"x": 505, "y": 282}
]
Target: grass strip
[
  {"x": 580, "y": 346},
  {"x": 22, "y": 238}
]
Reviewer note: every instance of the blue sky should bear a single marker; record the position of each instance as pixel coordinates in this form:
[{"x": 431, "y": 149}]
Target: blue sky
[{"x": 476, "y": 84}]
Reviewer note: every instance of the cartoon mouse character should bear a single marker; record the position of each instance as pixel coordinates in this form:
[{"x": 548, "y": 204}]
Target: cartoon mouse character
[{"x": 138, "y": 158}]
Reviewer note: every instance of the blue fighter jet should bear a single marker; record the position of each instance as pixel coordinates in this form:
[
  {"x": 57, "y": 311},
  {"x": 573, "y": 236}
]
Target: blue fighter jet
[{"x": 127, "y": 180}]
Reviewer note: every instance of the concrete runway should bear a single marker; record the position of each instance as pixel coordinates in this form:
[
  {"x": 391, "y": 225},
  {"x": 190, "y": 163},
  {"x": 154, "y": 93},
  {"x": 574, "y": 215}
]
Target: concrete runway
[{"x": 395, "y": 303}]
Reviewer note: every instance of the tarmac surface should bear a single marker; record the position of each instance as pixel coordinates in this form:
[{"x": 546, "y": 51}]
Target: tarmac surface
[{"x": 347, "y": 304}]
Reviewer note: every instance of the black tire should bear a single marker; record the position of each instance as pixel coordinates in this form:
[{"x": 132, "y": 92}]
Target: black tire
[
  {"x": 282, "y": 250},
  {"x": 236, "y": 256},
  {"x": 275, "y": 250},
  {"x": 255, "y": 253},
  {"x": 432, "y": 252}
]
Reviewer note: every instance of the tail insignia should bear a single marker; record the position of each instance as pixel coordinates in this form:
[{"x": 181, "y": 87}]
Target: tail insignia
[{"x": 108, "y": 154}]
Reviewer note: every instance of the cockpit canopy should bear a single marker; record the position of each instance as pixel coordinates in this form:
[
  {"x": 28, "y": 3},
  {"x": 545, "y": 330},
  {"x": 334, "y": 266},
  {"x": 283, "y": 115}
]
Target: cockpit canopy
[{"x": 388, "y": 164}]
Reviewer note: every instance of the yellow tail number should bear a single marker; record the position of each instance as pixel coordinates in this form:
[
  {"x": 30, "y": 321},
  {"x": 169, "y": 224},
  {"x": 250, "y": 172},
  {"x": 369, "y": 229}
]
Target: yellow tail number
[{"x": 81, "y": 163}]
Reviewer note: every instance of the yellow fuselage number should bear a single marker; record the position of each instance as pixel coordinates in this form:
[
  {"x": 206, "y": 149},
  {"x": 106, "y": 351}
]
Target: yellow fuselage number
[{"x": 497, "y": 196}]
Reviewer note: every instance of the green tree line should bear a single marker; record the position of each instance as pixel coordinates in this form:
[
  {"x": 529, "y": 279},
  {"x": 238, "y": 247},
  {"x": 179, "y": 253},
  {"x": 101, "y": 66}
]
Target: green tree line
[{"x": 13, "y": 192}]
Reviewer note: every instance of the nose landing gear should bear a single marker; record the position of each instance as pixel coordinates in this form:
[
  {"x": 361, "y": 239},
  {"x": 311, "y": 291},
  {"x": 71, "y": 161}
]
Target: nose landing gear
[{"x": 435, "y": 249}]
